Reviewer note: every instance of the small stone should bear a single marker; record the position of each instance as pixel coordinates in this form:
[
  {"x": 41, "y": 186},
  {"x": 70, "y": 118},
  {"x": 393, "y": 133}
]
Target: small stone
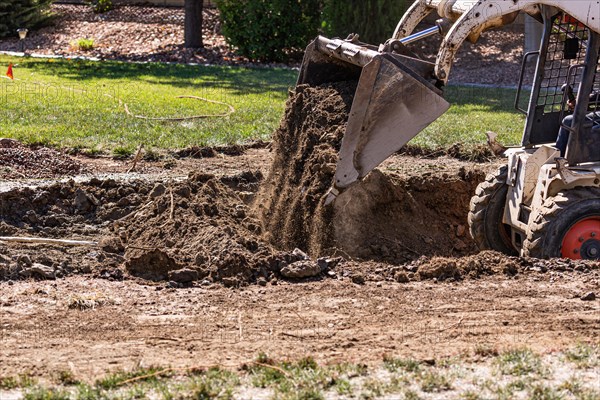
[
  {"x": 261, "y": 281},
  {"x": 300, "y": 255},
  {"x": 358, "y": 279},
  {"x": 301, "y": 269},
  {"x": 274, "y": 282},
  {"x": 39, "y": 270},
  {"x": 24, "y": 259},
  {"x": 331, "y": 274},
  {"x": 205, "y": 282},
  {"x": 401, "y": 277},
  {"x": 158, "y": 190},
  {"x": 591, "y": 296},
  {"x": 327, "y": 263},
  {"x": 184, "y": 275},
  {"x": 82, "y": 201},
  {"x": 10, "y": 283},
  {"x": 173, "y": 284},
  {"x": 111, "y": 245}
]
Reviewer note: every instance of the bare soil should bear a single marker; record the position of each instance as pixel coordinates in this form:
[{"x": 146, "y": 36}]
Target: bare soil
[{"x": 216, "y": 259}]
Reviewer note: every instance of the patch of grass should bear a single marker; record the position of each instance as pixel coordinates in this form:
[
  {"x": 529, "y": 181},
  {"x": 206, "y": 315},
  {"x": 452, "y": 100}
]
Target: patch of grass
[
  {"x": 75, "y": 103},
  {"x": 584, "y": 355},
  {"x": 432, "y": 381},
  {"x": 401, "y": 364},
  {"x": 42, "y": 393},
  {"x": 20, "y": 381},
  {"x": 470, "y": 395},
  {"x": 9, "y": 382},
  {"x": 411, "y": 395},
  {"x": 303, "y": 379},
  {"x": 87, "y": 392},
  {"x": 519, "y": 362},
  {"x": 373, "y": 388},
  {"x": 542, "y": 392},
  {"x": 66, "y": 377},
  {"x": 116, "y": 379},
  {"x": 79, "y": 104},
  {"x": 343, "y": 387},
  {"x": 82, "y": 44},
  {"x": 214, "y": 384},
  {"x": 483, "y": 350},
  {"x": 122, "y": 152},
  {"x": 473, "y": 112}
]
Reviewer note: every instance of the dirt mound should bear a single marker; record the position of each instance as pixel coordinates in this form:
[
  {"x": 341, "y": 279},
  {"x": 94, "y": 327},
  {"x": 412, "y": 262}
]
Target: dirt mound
[
  {"x": 186, "y": 231},
  {"x": 199, "y": 224},
  {"x": 386, "y": 217},
  {"x": 19, "y": 161}
]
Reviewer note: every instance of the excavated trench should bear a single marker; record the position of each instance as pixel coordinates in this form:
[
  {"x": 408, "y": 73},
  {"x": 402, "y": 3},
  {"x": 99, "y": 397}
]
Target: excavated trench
[{"x": 204, "y": 229}]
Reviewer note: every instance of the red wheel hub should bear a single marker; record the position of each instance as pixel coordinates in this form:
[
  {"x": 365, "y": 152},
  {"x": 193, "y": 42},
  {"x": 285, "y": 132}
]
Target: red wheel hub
[{"x": 582, "y": 241}]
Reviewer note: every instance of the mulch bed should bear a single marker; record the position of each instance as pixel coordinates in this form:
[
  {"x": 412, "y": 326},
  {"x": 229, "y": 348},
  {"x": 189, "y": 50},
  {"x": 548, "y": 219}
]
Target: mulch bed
[{"x": 155, "y": 34}]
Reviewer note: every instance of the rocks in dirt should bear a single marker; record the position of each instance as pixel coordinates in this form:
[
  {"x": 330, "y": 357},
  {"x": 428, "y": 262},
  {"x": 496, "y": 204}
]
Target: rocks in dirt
[
  {"x": 111, "y": 245},
  {"x": 153, "y": 265},
  {"x": 20, "y": 161},
  {"x": 440, "y": 269},
  {"x": 591, "y": 296},
  {"x": 301, "y": 269},
  {"x": 184, "y": 275},
  {"x": 38, "y": 271},
  {"x": 158, "y": 190}
]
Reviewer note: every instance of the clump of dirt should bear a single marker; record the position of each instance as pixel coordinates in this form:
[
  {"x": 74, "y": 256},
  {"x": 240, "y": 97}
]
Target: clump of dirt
[
  {"x": 386, "y": 217},
  {"x": 475, "y": 266},
  {"x": 199, "y": 224},
  {"x": 305, "y": 153},
  {"x": 19, "y": 161}
]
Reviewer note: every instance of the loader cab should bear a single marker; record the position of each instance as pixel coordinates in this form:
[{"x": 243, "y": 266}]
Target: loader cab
[{"x": 566, "y": 66}]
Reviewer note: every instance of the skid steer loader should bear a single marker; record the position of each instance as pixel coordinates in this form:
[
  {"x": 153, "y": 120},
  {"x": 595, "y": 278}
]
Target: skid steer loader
[{"x": 538, "y": 204}]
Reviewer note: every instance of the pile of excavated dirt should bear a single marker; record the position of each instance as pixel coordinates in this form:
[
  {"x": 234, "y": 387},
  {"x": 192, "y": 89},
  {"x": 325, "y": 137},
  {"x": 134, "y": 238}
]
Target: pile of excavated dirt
[
  {"x": 386, "y": 217},
  {"x": 200, "y": 231},
  {"x": 18, "y": 161},
  {"x": 199, "y": 227}
]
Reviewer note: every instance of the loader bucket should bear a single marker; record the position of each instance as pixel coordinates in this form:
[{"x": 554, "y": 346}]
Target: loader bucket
[{"x": 393, "y": 102}]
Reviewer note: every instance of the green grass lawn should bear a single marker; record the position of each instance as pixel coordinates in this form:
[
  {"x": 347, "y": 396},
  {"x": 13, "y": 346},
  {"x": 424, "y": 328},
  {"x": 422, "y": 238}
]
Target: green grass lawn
[{"x": 75, "y": 104}]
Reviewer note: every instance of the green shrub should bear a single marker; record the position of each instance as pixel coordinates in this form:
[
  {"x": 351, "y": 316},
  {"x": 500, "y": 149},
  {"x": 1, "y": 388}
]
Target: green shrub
[
  {"x": 270, "y": 30},
  {"x": 82, "y": 44},
  {"x": 29, "y": 14},
  {"x": 373, "y": 20},
  {"x": 101, "y": 6}
]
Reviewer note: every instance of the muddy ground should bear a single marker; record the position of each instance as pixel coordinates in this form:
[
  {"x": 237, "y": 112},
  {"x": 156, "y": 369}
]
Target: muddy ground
[{"x": 215, "y": 255}]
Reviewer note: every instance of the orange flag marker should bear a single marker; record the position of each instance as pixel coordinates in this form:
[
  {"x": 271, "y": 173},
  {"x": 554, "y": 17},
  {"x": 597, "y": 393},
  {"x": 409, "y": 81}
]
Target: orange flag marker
[{"x": 9, "y": 72}]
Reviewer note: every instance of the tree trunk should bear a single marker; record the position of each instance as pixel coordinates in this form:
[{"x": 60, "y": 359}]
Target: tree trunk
[{"x": 193, "y": 23}]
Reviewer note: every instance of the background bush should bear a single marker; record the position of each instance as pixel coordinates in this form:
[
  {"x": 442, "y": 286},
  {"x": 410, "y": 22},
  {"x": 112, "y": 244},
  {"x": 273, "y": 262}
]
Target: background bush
[
  {"x": 270, "y": 30},
  {"x": 373, "y": 20},
  {"x": 15, "y": 14},
  {"x": 101, "y": 6}
]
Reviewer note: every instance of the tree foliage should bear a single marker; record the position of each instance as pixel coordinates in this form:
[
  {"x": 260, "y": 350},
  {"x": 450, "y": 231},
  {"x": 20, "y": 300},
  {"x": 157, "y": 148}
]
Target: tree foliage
[
  {"x": 270, "y": 30},
  {"x": 29, "y": 14}
]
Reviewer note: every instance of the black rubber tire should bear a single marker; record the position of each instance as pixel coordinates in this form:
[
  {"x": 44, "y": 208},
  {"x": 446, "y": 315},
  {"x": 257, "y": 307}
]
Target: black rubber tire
[
  {"x": 556, "y": 217},
  {"x": 486, "y": 212}
]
